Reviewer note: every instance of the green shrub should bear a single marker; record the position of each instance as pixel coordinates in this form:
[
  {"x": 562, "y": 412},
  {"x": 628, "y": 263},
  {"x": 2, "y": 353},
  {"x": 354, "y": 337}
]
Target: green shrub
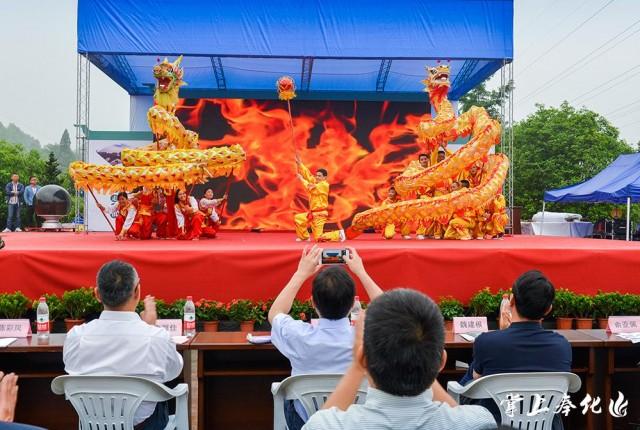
[
  {"x": 607, "y": 304},
  {"x": 582, "y": 306},
  {"x": 80, "y": 303},
  {"x": 210, "y": 310},
  {"x": 13, "y": 305},
  {"x": 450, "y": 307},
  {"x": 484, "y": 303},
  {"x": 563, "y": 303}
]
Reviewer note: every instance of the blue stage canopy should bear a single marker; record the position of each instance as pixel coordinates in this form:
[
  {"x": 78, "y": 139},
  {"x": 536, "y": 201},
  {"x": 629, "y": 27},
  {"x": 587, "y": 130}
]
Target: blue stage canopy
[
  {"x": 617, "y": 182},
  {"x": 334, "y": 49}
]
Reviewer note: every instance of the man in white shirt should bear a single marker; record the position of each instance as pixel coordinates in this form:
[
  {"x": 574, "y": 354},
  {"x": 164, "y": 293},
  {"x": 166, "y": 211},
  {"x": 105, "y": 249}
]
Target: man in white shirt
[
  {"x": 325, "y": 347},
  {"x": 121, "y": 342},
  {"x": 400, "y": 349}
]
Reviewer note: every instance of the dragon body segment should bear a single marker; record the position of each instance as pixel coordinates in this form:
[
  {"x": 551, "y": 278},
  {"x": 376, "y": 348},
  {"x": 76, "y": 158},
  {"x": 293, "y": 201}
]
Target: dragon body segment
[
  {"x": 436, "y": 132},
  {"x": 173, "y": 160}
]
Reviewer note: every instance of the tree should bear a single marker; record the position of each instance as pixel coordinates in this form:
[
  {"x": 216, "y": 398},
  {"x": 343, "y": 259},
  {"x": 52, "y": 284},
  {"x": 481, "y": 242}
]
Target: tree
[
  {"x": 491, "y": 100},
  {"x": 556, "y": 147},
  {"x": 51, "y": 171}
]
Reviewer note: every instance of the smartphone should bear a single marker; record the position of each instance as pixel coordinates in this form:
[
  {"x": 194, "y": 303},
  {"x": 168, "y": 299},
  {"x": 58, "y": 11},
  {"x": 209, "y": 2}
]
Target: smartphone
[{"x": 334, "y": 256}]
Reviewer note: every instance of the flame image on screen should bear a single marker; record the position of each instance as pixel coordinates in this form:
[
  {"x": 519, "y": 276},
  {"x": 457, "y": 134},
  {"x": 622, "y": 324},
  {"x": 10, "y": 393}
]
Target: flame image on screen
[{"x": 361, "y": 151}]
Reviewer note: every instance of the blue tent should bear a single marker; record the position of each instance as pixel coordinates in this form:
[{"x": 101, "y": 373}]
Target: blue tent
[
  {"x": 334, "y": 49},
  {"x": 617, "y": 183}
]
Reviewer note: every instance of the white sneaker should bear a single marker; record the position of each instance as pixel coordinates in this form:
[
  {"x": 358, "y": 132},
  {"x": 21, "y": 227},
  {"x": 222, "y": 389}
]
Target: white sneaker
[
  {"x": 343, "y": 237},
  {"x": 406, "y": 237},
  {"x": 6, "y": 230},
  {"x": 420, "y": 237},
  {"x": 18, "y": 229}
]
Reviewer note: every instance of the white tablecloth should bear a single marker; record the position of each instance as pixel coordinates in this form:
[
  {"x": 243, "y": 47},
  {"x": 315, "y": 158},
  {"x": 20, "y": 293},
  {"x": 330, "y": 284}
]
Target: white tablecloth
[{"x": 567, "y": 229}]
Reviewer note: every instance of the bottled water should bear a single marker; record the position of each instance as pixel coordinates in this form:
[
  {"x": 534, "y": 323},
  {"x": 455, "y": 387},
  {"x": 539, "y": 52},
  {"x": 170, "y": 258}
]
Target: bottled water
[
  {"x": 505, "y": 306},
  {"x": 355, "y": 311},
  {"x": 42, "y": 318},
  {"x": 189, "y": 319}
]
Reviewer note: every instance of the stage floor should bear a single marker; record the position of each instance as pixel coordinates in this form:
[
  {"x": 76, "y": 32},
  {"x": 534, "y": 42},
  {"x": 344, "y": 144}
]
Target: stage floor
[{"x": 258, "y": 265}]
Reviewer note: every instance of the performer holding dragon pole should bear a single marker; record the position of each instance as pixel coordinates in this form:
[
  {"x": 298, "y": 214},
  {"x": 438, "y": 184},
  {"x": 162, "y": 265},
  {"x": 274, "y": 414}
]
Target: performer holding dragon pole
[{"x": 317, "y": 189}]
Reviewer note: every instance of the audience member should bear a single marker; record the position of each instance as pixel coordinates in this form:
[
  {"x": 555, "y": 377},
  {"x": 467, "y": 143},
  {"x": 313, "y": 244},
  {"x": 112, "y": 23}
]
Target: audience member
[
  {"x": 13, "y": 191},
  {"x": 325, "y": 347},
  {"x": 29, "y": 193},
  {"x": 522, "y": 345},
  {"x": 400, "y": 350},
  {"x": 121, "y": 342},
  {"x": 8, "y": 401}
]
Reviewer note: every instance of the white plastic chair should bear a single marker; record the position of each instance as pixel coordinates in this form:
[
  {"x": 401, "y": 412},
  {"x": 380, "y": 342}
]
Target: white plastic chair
[
  {"x": 523, "y": 391},
  {"x": 311, "y": 390},
  {"x": 109, "y": 402}
]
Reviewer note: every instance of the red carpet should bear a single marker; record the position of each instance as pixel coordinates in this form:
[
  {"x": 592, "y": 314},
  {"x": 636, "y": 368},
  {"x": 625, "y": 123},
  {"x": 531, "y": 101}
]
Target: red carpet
[{"x": 257, "y": 265}]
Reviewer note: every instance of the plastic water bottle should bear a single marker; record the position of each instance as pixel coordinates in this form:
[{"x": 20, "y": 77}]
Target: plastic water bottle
[
  {"x": 355, "y": 311},
  {"x": 189, "y": 319},
  {"x": 505, "y": 306},
  {"x": 42, "y": 318}
]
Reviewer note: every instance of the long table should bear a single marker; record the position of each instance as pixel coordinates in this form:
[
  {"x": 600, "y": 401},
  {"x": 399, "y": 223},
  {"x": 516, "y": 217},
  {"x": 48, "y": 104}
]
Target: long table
[{"x": 230, "y": 379}]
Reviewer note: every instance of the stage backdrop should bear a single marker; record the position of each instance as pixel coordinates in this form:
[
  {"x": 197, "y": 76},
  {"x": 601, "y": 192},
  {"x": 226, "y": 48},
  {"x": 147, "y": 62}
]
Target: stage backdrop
[{"x": 361, "y": 144}]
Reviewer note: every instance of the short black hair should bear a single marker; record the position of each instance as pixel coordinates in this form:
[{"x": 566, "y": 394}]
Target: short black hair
[
  {"x": 333, "y": 291},
  {"x": 116, "y": 282},
  {"x": 323, "y": 171},
  {"x": 533, "y": 294},
  {"x": 124, "y": 194},
  {"x": 403, "y": 342},
  {"x": 464, "y": 183},
  {"x": 423, "y": 155},
  {"x": 32, "y": 177}
]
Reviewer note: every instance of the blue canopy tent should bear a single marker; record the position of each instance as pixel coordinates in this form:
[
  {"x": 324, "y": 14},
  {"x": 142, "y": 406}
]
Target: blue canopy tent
[
  {"x": 348, "y": 50},
  {"x": 618, "y": 183}
]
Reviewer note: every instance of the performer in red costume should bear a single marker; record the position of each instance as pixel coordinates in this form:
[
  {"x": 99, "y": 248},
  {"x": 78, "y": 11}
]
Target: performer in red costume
[
  {"x": 191, "y": 222},
  {"x": 125, "y": 213},
  {"x": 160, "y": 220},
  {"x": 146, "y": 201}
]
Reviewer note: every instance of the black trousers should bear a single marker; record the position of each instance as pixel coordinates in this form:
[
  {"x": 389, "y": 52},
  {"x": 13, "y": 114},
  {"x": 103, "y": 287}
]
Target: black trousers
[{"x": 32, "y": 219}]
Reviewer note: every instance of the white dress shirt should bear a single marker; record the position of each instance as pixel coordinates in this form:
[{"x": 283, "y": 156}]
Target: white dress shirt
[
  {"x": 120, "y": 343},
  {"x": 13, "y": 200},
  {"x": 383, "y": 411},
  {"x": 323, "y": 348}
]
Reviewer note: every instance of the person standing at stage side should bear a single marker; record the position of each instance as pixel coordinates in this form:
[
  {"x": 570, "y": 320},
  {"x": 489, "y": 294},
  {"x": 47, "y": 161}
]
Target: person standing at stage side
[
  {"x": 29, "y": 193},
  {"x": 390, "y": 229},
  {"x": 191, "y": 222},
  {"x": 13, "y": 193},
  {"x": 326, "y": 346},
  {"x": 123, "y": 343},
  {"x": 317, "y": 189},
  {"x": 125, "y": 213}
]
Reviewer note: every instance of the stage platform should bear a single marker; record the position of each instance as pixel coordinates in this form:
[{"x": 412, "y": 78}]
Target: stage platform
[{"x": 258, "y": 265}]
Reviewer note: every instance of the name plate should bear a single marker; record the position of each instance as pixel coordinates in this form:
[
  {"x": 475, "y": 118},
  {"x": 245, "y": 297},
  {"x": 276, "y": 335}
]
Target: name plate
[
  {"x": 15, "y": 328},
  {"x": 174, "y": 327},
  {"x": 624, "y": 324},
  {"x": 470, "y": 324}
]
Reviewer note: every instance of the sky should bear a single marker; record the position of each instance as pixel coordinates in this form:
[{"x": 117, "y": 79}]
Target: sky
[{"x": 583, "y": 51}]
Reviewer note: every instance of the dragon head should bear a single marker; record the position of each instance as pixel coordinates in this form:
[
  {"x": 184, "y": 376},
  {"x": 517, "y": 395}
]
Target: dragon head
[
  {"x": 437, "y": 78},
  {"x": 168, "y": 75}
]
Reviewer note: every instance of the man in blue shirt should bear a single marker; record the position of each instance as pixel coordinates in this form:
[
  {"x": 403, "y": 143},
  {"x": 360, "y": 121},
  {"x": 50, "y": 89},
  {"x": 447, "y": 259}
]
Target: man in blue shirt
[
  {"x": 522, "y": 345},
  {"x": 29, "y": 193},
  {"x": 327, "y": 346},
  {"x": 13, "y": 192}
]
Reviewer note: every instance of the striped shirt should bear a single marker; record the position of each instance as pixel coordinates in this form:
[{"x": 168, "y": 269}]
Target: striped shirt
[{"x": 386, "y": 411}]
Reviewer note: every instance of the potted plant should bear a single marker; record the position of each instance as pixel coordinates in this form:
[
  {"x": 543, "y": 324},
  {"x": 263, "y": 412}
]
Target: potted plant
[
  {"x": 450, "y": 307},
  {"x": 13, "y": 305},
  {"x": 630, "y": 304},
  {"x": 78, "y": 304},
  {"x": 302, "y": 310},
  {"x": 562, "y": 309},
  {"x": 244, "y": 312},
  {"x": 56, "y": 307},
  {"x": 607, "y": 304},
  {"x": 209, "y": 312},
  {"x": 484, "y": 304},
  {"x": 583, "y": 311}
]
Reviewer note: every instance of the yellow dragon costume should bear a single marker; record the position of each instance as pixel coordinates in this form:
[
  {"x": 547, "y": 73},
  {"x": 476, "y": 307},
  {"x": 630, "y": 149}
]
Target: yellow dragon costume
[
  {"x": 174, "y": 160},
  {"x": 445, "y": 127}
]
